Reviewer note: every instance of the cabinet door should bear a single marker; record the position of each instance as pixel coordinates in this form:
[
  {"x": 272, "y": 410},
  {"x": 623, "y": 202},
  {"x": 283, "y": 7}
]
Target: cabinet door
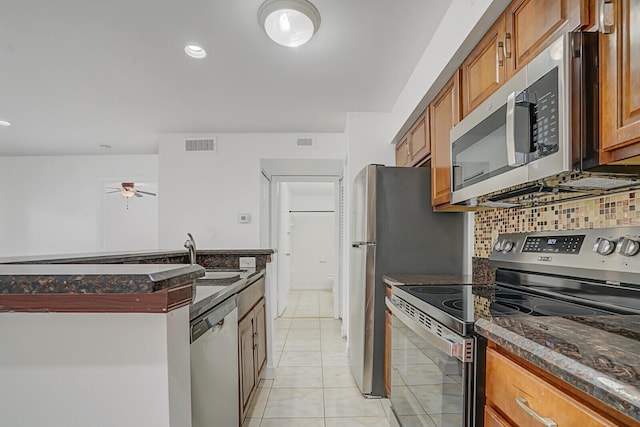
[
  {"x": 246, "y": 360},
  {"x": 620, "y": 83},
  {"x": 445, "y": 113},
  {"x": 403, "y": 157},
  {"x": 532, "y": 25},
  {"x": 387, "y": 352},
  {"x": 483, "y": 72},
  {"x": 493, "y": 419},
  {"x": 520, "y": 394},
  {"x": 260, "y": 337},
  {"x": 419, "y": 139}
]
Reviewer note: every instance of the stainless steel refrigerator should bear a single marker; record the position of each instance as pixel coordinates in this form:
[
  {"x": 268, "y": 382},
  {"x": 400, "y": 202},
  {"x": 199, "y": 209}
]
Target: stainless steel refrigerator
[{"x": 394, "y": 230}]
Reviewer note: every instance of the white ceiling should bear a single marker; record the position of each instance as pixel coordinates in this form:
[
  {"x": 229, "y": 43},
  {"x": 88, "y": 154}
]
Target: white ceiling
[{"x": 75, "y": 74}]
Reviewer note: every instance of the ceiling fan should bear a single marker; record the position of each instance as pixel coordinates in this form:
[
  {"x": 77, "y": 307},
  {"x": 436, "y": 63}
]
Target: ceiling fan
[{"x": 128, "y": 190}]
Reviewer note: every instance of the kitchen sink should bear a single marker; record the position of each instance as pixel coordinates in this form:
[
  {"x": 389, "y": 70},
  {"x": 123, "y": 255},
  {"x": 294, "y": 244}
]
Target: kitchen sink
[
  {"x": 220, "y": 275},
  {"x": 202, "y": 292}
]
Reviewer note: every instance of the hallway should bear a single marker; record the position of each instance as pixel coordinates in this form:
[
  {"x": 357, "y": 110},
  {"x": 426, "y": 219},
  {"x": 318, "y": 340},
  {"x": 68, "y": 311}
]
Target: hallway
[{"x": 312, "y": 385}]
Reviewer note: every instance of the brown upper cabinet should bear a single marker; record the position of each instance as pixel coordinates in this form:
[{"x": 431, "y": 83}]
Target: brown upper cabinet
[
  {"x": 415, "y": 147},
  {"x": 403, "y": 158},
  {"x": 524, "y": 30},
  {"x": 532, "y": 25},
  {"x": 419, "y": 139},
  {"x": 444, "y": 112},
  {"x": 483, "y": 72},
  {"x": 620, "y": 82}
]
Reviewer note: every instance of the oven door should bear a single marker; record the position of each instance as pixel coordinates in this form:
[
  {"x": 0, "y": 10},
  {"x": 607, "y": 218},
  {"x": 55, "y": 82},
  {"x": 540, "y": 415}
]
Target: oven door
[{"x": 432, "y": 372}]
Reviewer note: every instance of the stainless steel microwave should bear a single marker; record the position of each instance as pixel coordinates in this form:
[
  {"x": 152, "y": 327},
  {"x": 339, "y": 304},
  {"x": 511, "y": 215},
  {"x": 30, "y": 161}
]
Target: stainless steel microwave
[{"x": 535, "y": 140}]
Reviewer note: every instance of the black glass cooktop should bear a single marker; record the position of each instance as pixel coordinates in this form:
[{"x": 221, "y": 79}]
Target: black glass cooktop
[{"x": 457, "y": 301}]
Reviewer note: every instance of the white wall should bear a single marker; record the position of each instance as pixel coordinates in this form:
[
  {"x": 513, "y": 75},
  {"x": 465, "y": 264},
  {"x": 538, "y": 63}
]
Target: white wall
[
  {"x": 95, "y": 369},
  {"x": 53, "y": 204},
  {"x": 203, "y": 193},
  {"x": 313, "y": 241},
  {"x": 128, "y": 222},
  {"x": 458, "y": 32}
]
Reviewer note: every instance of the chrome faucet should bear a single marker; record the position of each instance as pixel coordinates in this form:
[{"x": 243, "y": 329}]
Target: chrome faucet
[{"x": 190, "y": 244}]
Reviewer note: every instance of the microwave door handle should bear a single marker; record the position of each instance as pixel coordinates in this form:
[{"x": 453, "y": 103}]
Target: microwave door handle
[
  {"x": 513, "y": 159},
  {"x": 518, "y": 128}
]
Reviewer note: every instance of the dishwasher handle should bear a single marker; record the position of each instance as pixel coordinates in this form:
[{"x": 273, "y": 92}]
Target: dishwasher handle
[{"x": 212, "y": 318}]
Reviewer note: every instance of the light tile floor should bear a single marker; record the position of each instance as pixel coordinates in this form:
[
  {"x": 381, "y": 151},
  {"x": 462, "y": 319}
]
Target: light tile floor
[{"x": 312, "y": 385}]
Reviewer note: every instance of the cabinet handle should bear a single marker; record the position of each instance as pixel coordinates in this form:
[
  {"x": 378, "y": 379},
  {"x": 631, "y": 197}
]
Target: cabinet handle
[
  {"x": 499, "y": 50},
  {"x": 507, "y": 50},
  {"x": 407, "y": 150},
  {"x": 548, "y": 422},
  {"x": 607, "y": 16}
]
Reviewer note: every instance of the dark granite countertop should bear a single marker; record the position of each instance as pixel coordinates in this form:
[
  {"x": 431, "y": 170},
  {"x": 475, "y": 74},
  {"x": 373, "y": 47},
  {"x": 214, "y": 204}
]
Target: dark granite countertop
[
  {"x": 122, "y": 257},
  {"x": 94, "y": 278},
  {"x": 432, "y": 279},
  {"x": 599, "y": 355},
  {"x": 211, "y": 292}
]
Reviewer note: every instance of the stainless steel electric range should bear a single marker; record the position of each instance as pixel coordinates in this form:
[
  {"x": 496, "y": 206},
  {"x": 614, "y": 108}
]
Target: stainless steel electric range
[{"x": 436, "y": 356}]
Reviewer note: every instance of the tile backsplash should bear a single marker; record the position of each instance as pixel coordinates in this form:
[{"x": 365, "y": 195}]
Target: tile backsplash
[{"x": 615, "y": 210}]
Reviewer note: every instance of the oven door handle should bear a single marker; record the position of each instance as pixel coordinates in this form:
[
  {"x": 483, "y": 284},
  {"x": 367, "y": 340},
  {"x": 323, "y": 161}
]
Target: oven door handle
[{"x": 448, "y": 342}]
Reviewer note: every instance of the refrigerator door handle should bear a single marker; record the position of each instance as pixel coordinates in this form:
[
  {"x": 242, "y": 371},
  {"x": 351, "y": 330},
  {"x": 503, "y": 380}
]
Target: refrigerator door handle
[{"x": 360, "y": 244}]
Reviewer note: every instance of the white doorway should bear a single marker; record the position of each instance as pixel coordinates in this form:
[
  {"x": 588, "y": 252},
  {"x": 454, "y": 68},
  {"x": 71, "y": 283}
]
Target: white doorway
[
  {"x": 305, "y": 233},
  {"x": 312, "y": 238}
]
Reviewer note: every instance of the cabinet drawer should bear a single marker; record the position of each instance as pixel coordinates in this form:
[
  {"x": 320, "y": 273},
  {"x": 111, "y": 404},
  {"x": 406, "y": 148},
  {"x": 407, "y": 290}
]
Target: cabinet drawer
[
  {"x": 249, "y": 297},
  {"x": 508, "y": 382}
]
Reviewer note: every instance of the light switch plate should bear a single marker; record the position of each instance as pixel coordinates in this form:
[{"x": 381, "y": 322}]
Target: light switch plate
[{"x": 248, "y": 262}]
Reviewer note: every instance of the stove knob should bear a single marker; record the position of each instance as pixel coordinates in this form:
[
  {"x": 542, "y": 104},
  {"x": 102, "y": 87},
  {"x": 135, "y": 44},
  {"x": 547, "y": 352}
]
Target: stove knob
[
  {"x": 627, "y": 246},
  {"x": 507, "y": 245},
  {"x": 604, "y": 246},
  {"x": 497, "y": 246}
]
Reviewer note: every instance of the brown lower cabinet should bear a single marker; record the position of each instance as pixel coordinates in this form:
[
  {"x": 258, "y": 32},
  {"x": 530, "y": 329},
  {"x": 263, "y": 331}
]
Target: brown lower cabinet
[
  {"x": 520, "y": 395},
  {"x": 387, "y": 347},
  {"x": 252, "y": 342},
  {"x": 493, "y": 419},
  {"x": 387, "y": 352}
]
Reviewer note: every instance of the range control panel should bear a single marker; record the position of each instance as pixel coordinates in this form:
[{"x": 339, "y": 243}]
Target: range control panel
[
  {"x": 611, "y": 255},
  {"x": 554, "y": 244}
]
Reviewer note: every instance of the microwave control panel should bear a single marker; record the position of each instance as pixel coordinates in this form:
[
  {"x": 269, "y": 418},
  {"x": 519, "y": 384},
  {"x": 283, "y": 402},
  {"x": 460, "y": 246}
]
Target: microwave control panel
[
  {"x": 554, "y": 244},
  {"x": 544, "y": 126}
]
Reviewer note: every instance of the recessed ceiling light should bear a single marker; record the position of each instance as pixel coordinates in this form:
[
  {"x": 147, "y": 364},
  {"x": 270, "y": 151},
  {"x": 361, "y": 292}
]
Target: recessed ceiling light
[
  {"x": 195, "y": 51},
  {"x": 3, "y": 123},
  {"x": 289, "y": 23}
]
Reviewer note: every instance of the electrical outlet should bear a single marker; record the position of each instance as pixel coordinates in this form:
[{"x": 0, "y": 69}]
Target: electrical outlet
[
  {"x": 248, "y": 262},
  {"x": 244, "y": 218}
]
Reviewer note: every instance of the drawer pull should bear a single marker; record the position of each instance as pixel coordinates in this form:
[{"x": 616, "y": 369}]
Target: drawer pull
[{"x": 548, "y": 422}]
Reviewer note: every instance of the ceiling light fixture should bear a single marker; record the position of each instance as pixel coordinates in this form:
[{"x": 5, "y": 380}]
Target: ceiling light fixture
[
  {"x": 195, "y": 51},
  {"x": 3, "y": 123},
  {"x": 289, "y": 23}
]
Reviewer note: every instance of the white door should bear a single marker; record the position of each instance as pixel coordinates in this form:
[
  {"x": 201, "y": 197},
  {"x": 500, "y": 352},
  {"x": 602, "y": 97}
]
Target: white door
[{"x": 284, "y": 247}]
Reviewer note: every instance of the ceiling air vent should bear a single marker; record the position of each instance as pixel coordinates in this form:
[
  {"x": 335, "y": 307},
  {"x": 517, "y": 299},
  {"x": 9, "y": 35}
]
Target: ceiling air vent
[
  {"x": 200, "y": 145},
  {"x": 304, "y": 143}
]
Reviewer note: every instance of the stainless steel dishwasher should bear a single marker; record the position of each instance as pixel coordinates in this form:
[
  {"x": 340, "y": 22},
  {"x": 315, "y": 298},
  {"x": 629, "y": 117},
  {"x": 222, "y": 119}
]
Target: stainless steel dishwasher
[{"x": 214, "y": 367}]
